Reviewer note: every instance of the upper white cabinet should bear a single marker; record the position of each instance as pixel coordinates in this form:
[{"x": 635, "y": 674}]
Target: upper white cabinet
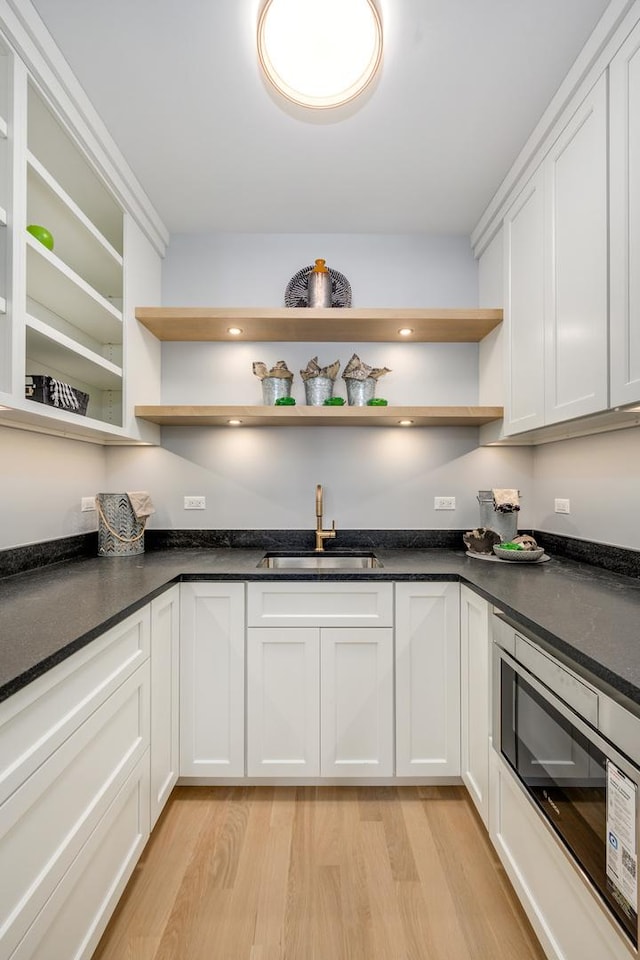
[
  {"x": 73, "y": 293},
  {"x": 556, "y": 278},
  {"x": 524, "y": 308},
  {"x": 576, "y": 288},
  {"x": 66, "y": 308},
  {"x": 624, "y": 160}
]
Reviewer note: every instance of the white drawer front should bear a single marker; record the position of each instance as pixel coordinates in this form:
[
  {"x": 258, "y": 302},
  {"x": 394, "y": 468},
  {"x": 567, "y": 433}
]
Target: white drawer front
[
  {"x": 329, "y": 603},
  {"x": 37, "y": 719},
  {"x": 46, "y": 821},
  {"x": 75, "y": 916}
]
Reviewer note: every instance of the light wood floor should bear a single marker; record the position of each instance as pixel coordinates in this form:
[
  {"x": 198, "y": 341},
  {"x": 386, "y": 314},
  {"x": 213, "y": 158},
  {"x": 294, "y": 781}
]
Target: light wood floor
[{"x": 319, "y": 873}]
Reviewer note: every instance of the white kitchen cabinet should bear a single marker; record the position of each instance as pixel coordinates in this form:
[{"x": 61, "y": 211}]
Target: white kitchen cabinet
[
  {"x": 576, "y": 289},
  {"x": 524, "y": 270},
  {"x": 212, "y": 679},
  {"x": 556, "y": 278},
  {"x": 475, "y": 707},
  {"x": 67, "y": 307},
  {"x": 165, "y": 698},
  {"x": 427, "y": 652},
  {"x": 624, "y": 213},
  {"x": 320, "y": 679},
  {"x": 283, "y": 701},
  {"x": 356, "y": 703},
  {"x": 75, "y": 746}
]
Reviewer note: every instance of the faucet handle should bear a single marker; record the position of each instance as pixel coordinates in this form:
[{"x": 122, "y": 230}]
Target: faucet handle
[{"x": 319, "y": 500}]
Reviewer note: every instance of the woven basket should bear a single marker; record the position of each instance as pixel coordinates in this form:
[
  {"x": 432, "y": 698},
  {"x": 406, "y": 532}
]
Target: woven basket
[{"x": 120, "y": 533}]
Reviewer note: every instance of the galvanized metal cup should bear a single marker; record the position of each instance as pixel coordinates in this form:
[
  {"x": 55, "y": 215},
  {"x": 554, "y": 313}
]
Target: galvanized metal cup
[
  {"x": 359, "y": 391},
  {"x": 275, "y": 387},
  {"x": 317, "y": 390},
  {"x": 505, "y": 524}
]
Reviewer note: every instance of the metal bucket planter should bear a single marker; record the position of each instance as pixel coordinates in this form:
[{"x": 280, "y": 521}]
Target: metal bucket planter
[
  {"x": 120, "y": 533},
  {"x": 360, "y": 391},
  {"x": 317, "y": 390},
  {"x": 275, "y": 387},
  {"x": 505, "y": 524}
]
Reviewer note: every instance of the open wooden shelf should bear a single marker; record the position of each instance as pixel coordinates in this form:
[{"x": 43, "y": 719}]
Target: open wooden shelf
[
  {"x": 309, "y": 416},
  {"x": 351, "y": 324}
]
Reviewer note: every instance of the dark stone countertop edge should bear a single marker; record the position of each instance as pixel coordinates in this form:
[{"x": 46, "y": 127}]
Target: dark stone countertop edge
[{"x": 167, "y": 567}]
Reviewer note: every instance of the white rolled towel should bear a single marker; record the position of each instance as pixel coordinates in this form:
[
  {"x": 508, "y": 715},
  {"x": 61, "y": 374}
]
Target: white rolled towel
[{"x": 506, "y": 501}]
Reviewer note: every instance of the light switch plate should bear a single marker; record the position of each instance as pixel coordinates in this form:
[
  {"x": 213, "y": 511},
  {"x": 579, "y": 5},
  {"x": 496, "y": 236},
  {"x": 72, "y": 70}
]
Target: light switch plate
[
  {"x": 444, "y": 503},
  {"x": 562, "y": 506},
  {"x": 87, "y": 503}
]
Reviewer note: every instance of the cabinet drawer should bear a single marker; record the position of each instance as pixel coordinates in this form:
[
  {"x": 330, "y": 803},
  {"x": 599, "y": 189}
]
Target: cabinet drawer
[
  {"x": 46, "y": 821},
  {"x": 74, "y": 917},
  {"x": 335, "y": 604},
  {"x": 37, "y": 719}
]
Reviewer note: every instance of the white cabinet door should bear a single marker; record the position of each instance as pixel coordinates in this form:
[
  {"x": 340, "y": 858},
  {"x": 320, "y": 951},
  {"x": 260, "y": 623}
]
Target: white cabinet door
[
  {"x": 524, "y": 253},
  {"x": 475, "y": 652},
  {"x": 624, "y": 160},
  {"x": 283, "y": 701},
  {"x": 211, "y": 679},
  {"x": 357, "y": 702},
  {"x": 576, "y": 289},
  {"x": 427, "y": 680},
  {"x": 556, "y": 278},
  {"x": 165, "y": 698}
]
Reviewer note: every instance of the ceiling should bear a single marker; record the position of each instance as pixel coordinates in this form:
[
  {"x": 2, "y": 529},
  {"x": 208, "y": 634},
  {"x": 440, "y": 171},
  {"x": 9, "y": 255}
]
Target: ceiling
[{"x": 462, "y": 86}]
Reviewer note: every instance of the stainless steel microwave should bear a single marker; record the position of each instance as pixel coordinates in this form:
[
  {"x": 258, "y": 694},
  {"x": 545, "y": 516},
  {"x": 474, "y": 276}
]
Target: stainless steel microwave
[{"x": 548, "y": 725}]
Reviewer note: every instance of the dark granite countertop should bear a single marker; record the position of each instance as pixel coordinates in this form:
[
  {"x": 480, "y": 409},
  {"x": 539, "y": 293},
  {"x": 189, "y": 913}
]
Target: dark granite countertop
[{"x": 586, "y": 614}]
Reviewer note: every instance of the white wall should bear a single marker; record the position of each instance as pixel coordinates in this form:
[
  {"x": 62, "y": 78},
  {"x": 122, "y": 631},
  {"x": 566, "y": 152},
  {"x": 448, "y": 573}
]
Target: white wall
[
  {"x": 373, "y": 478},
  {"x": 42, "y": 481},
  {"x": 265, "y": 478},
  {"x": 252, "y": 270},
  {"x": 600, "y": 475}
]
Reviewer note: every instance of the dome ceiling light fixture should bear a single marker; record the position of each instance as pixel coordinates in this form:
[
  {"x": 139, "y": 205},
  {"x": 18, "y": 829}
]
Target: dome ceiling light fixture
[{"x": 319, "y": 54}]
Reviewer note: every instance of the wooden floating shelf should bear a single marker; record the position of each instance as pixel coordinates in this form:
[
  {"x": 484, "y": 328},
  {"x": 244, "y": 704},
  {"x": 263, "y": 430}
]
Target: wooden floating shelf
[
  {"x": 351, "y": 324},
  {"x": 311, "y": 416}
]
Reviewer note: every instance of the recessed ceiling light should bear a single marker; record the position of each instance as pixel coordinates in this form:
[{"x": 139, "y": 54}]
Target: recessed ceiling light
[
  {"x": 234, "y": 423},
  {"x": 319, "y": 55},
  {"x": 234, "y": 331},
  {"x": 405, "y": 331},
  {"x": 405, "y": 423}
]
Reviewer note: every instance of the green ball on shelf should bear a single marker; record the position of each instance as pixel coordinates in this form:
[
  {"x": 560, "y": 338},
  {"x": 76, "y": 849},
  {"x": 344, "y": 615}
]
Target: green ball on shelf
[
  {"x": 334, "y": 402},
  {"x": 41, "y": 234},
  {"x": 285, "y": 402},
  {"x": 377, "y": 402}
]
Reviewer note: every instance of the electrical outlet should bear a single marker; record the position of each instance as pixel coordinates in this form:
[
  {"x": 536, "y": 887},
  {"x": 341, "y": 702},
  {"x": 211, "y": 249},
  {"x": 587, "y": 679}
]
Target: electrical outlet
[
  {"x": 195, "y": 503},
  {"x": 562, "y": 506},
  {"x": 87, "y": 503},
  {"x": 444, "y": 503}
]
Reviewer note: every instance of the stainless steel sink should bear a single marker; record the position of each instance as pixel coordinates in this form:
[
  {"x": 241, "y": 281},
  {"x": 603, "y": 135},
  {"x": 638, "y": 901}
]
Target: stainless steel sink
[{"x": 320, "y": 561}]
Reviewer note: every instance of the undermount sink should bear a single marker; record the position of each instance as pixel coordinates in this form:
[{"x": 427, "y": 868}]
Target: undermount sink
[{"x": 320, "y": 561}]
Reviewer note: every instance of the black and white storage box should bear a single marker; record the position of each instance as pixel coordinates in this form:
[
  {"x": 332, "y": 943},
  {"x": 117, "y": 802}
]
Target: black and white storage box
[{"x": 55, "y": 393}]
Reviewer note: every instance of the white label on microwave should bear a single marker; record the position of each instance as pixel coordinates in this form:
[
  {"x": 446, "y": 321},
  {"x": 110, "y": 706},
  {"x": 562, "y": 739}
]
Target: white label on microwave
[{"x": 622, "y": 859}]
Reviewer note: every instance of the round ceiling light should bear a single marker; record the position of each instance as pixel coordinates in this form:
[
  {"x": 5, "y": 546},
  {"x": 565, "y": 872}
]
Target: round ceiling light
[{"x": 319, "y": 55}]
